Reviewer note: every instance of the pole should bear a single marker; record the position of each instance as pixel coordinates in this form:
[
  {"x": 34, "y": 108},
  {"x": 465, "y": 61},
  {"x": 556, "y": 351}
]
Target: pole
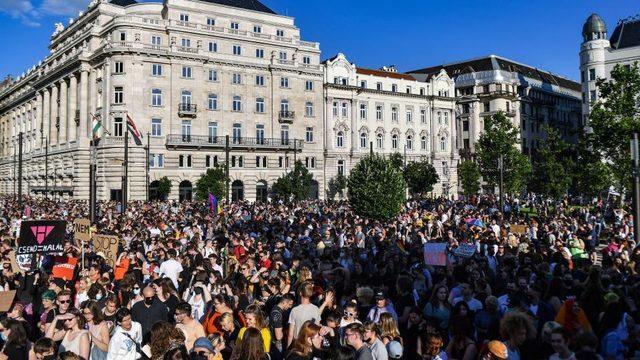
[
  {"x": 635, "y": 158},
  {"x": 295, "y": 152},
  {"x": 501, "y": 166},
  {"x": 125, "y": 178},
  {"x": 92, "y": 182},
  {"x": 226, "y": 155},
  {"x": 370, "y": 147},
  {"x": 20, "y": 172},
  {"x": 46, "y": 167},
  {"x": 146, "y": 167}
]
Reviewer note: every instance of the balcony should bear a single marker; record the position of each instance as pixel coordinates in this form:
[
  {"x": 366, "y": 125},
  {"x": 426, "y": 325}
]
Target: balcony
[
  {"x": 187, "y": 109},
  {"x": 286, "y": 116},
  {"x": 235, "y": 143}
]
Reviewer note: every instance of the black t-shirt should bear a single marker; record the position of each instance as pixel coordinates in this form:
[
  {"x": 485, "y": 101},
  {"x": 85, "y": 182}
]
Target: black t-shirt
[
  {"x": 276, "y": 318},
  {"x": 16, "y": 352}
]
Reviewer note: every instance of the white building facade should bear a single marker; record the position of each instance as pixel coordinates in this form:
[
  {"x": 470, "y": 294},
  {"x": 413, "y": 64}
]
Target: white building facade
[
  {"x": 389, "y": 112},
  {"x": 190, "y": 73},
  {"x": 599, "y": 55}
]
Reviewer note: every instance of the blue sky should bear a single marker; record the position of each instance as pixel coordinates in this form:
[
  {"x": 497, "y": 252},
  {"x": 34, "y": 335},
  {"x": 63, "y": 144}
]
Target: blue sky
[{"x": 407, "y": 33}]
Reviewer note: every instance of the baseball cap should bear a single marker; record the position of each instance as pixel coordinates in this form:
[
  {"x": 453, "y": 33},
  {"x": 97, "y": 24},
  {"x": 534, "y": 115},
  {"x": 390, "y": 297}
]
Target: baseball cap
[
  {"x": 380, "y": 295},
  {"x": 49, "y": 295},
  {"x": 394, "y": 350},
  {"x": 497, "y": 349},
  {"x": 203, "y": 342}
]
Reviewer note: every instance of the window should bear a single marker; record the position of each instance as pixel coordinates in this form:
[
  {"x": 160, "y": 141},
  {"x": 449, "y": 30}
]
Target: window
[
  {"x": 237, "y": 103},
  {"x": 308, "y": 85},
  {"x": 118, "y": 67},
  {"x": 592, "y": 74},
  {"x": 408, "y": 89},
  {"x": 186, "y": 72},
  {"x": 260, "y": 105},
  {"x": 309, "y": 135},
  {"x": 378, "y": 112},
  {"x": 257, "y": 29},
  {"x": 185, "y": 130},
  {"x": 213, "y": 132},
  {"x": 259, "y": 80},
  {"x": 237, "y": 161},
  {"x": 443, "y": 143},
  {"x": 237, "y": 133},
  {"x": 335, "y": 109},
  {"x": 184, "y": 17},
  {"x": 261, "y": 161},
  {"x": 487, "y": 106},
  {"x": 592, "y": 95},
  {"x": 363, "y": 84},
  {"x": 306, "y": 60},
  {"x": 282, "y": 55},
  {"x": 156, "y": 160},
  {"x": 236, "y": 79},
  {"x": 213, "y": 102},
  {"x": 363, "y": 111},
  {"x": 156, "y": 97},
  {"x": 184, "y": 161},
  {"x": 284, "y": 105},
  {"x": 446, "y": 117},
  {"x": 379, "y": 86},
  {"x": 284, "y": 82},
  {"x": 211, "y": 161},
  {"x": 280, "y": 33},
  {"x": 117, "y": 127},
  {"x": 423, "y": 142},
  {"x": 394, "y": 114},
  {"x": 379, "y": 141},
  {"x": 422, "y": 91},
  {"x": 423, "y": 116},
  {"x": 123, "y": 36},
  {"x": 394, "y": 88},
  {"x": 363, "y": 140},
  {"x": 211, "y": 22},
  {"x": 282, "y": 161},
  {"x": 409, "y": 142},
  {"x": 260, "y": 134},
  {"x": 465, "y": 126},
  {"x": 213, "y": 75},
  {"x": 284, "y": 134},
  {"x": 345, "y": 107},
  {"x": 308, "y": 109},
  {"x": 310, "y": 162},
  {"x": 237, "y": 50},
  {"x": 394, "y": 141},
  {"x": 186, "y": 42},
  {"x": 485, "y": 88},
  {"x": 185, "y": 97},
  {"x": 156, "y": 40},
  {"x": 409, "y": 115},
  {"x": 213, "y": 46},
  {"x": 340, "y": 167},
  {"x": 156, "y": 70},
  {"x": 340, "y": 139},
  {"x": 156, "y": 127},
  {"x": 118, "y": 95},
  {"x": 235, "y": 25}
]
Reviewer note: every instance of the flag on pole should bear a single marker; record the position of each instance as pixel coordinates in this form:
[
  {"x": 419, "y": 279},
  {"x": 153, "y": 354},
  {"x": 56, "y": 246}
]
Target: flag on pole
[
  {"x": 96, "y": 129},
  {"x": 213, "y": 205},
  {"x": 133, "y": 129}
]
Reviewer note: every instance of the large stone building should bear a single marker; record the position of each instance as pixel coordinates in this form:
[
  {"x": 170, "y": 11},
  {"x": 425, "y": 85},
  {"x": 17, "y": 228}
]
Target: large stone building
[
  {"x": 530, "y": 97},
  {"x": 189, "y": 73},
  {"x": 394, "y": 113},
  {"x": 598, "y": 56}
]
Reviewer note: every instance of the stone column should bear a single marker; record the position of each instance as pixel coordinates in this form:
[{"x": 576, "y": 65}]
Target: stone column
[
  {"x": 38, "y": 116},
  {"x": 73, "y": 105},
  {"x": 46, "y": 116},
  {"x": 53, "y": 131},
  {"x": 354, "y": 126},
  {"x": 84, "y": 89},
  {"x": 92, "y": 96},
  {"x": 64, "y": 116}
]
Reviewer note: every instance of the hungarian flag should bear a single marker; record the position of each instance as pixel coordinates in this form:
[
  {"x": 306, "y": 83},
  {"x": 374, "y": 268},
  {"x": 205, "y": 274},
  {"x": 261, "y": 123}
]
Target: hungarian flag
[
  {"x": 96, "y": 129},
  {"x": 133, "y": 129}
]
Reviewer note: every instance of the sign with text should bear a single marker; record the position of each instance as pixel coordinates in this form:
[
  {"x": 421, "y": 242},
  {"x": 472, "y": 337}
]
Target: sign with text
[
  {"x": 42, "y": 236},
  {"x": 465, "y": 250},
  {"x": 108, "y": 245},
  {"x": 81, "y": 229},
  {"x": 64, "y": 267},
  {"x": 435, "y": 254},
  {"x": 518, "y": 229}
]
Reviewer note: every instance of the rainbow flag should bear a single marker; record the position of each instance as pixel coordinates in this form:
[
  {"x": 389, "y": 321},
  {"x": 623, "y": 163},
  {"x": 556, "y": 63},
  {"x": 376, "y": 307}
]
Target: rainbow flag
[{"x": 213, "y": 205}]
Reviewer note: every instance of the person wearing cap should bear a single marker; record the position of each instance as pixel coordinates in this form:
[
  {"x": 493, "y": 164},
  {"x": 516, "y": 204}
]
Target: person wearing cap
[
  {"x": 48, "y": 304},
  {"x": 205, "y": 349},
  {"x": 381, "y": 306}
]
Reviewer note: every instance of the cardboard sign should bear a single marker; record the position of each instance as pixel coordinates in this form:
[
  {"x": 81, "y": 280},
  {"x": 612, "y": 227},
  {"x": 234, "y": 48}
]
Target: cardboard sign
[
  {"x": 42, "y": 236},
  {"x": 108, "y": 245},
  {"x": 6, "y": 300},
  {"x": 465, "y": 250},
  {"x": 64, "y": 267},
  {"x": 434, "y": 254},
  {"x": 82, "y": 230},
  {"x": 518, "y": 229}
]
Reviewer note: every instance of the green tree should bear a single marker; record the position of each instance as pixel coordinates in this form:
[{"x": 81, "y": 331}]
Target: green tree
[
  {"x": 469, "y": 175},
  {"x": 397, "y": 160},
  {"x": 591, "y": 175},
  {"x": 214, "y": 181},
  {"x": 552, "y": 166},
  {"x": 164, "y": 187},
  {"x": 337, "y": 185},
  {"x": 500, "y": 138},
  {"x": 614, "y": 119},
  {"x": 376, "y": 188},
  {"x": 295, "y": 185},
  {"x": 420, "y": 177}
]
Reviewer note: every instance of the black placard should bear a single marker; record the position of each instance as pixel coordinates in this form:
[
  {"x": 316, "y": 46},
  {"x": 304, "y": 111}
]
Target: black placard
[{"x": 42, "y": 236}]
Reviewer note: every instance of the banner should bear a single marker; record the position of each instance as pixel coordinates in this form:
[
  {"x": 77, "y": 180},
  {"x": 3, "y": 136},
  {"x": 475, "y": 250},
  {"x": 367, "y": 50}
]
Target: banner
[
  {"x": 81, "y": 229},
  {"x": 435, "y": 254},
  {"x": 518, "y": 229},
  {"x": 64, "y": 267},
  {"x": 42, "y": 236},
  {"x": 108, "y": 245},
  {"x": 465, "y": 250}
]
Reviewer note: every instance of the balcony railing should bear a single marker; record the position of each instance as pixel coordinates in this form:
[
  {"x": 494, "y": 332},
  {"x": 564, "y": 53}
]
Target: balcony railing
[
  {"x": 204, "y": 141},
  {"x": 187, "y": 109},
  {"x": 286, "y": 116}
]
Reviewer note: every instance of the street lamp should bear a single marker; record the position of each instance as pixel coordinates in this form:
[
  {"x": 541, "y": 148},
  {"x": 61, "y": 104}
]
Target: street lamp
[{"x": 635, "y": 161}]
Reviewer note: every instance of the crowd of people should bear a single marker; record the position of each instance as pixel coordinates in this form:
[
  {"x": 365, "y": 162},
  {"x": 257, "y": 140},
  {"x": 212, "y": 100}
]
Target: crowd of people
[{"x": 313, "y": 280}]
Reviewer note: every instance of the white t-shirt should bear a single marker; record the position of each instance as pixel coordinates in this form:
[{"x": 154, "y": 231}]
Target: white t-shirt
[
  {"x": 302, "y": 313},
  {"x": 171, "y": 269}
]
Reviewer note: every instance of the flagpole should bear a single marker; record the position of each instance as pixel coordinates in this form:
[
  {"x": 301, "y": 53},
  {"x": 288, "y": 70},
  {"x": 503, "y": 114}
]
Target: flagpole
[
  {"x": 92, "y": 181},
  {"x": 125, "y": 178}
]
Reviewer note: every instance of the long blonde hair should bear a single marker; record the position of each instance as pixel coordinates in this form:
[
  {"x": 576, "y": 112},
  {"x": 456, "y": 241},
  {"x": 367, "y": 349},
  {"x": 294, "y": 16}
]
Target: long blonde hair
[{"x": 388, "y": 327}]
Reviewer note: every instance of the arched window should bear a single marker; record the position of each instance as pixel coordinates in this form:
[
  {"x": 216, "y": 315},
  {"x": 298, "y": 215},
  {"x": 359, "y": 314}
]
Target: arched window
[
  {"x": 340, "y": 139},
  {"x": 409, "y": 142},
  {"x": 394, "y": 141},
  {"x": 423, "y": 142},
  {"x": 379, "y": 141},
  {"x": 443, "y": 143},
  {"x": 363, "y": 140}
]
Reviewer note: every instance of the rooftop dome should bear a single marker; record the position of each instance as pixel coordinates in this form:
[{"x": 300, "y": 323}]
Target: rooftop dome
[{"x": 594, "y": 28}]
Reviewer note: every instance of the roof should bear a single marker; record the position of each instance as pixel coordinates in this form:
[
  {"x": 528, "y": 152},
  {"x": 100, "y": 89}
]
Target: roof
[
  {"x": 254, "y": 5},
  {"x": 123, "y": 2},
  {"x": 626, "y": 34},
  {"x": 382, "y": 73},
  {"x": 493, "y": 62},
  {"x": 594, "y": 24}
]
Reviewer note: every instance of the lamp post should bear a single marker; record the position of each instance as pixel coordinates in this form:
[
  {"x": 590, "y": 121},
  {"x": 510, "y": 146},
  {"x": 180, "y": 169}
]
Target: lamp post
[{"x": 635, "y": 162}]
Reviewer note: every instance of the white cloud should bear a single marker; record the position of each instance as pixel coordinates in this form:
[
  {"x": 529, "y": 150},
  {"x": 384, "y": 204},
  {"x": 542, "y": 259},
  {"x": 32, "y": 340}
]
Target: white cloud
[
  {"x": 62, "y": 7},
  {"x": 21, "y": 9}
]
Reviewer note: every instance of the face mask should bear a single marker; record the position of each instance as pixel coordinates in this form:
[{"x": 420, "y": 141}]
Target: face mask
[
  {"x": 98, "y": 296},
  {"x": 3, "y": 335},
  {"x": 136, "y": 291}
]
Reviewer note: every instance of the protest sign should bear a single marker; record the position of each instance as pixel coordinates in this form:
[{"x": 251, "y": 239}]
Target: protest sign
[
  {"x": 81, "y": 229},
  {"x": 64, "y": 267},
  {"x": 518, "y": 229},
  {"x": 434, "y": 254},
  {"x": 107, "y": 245},
  {"x": 42, "y": 236},
  {"x": 6, "y": 300},
  {"x": 465, "y": 250}
]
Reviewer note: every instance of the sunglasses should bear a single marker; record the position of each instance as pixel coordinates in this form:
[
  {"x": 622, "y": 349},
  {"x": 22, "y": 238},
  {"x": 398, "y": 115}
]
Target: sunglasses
[{"x": 64, "y": 301}]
